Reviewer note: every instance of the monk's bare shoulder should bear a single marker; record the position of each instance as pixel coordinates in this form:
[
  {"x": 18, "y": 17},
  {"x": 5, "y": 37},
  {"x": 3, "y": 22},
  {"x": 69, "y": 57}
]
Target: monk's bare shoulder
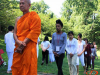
[
  {"x": 18, "y": 18},
  {"x": 16, "y": 21}
]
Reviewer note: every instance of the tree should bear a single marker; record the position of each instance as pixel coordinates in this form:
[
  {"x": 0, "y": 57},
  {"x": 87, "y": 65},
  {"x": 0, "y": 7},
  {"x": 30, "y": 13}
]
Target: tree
[{"x": 40, "y": 7}]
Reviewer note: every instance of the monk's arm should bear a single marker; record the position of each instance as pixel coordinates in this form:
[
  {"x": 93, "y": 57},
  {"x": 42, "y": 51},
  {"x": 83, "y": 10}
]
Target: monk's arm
[
  {"x": 15, "y": 31},
  {"x": 26, "y": 40}
]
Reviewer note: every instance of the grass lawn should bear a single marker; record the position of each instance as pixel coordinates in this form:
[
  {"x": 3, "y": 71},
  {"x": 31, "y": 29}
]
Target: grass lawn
[{"x": 51, "y": 68}]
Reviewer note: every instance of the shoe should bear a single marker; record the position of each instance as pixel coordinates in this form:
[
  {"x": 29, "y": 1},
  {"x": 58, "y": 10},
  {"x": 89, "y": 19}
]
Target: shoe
[{"x": 42, "y": 63}]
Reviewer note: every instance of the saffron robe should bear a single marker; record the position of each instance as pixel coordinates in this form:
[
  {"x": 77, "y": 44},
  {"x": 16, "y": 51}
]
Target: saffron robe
[{"x": 28, "y": 26}]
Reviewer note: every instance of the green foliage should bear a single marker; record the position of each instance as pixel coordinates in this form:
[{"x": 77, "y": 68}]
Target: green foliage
[
  {"x": 79, "y": 16},
  {"x": 83, "y": 17},
  {"x": 7, "y": 14},
  {"x": 39, "y": 7}
]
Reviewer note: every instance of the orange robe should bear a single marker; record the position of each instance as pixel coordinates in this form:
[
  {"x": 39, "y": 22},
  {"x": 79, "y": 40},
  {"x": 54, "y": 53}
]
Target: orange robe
[{"x": 28, "y": 26}]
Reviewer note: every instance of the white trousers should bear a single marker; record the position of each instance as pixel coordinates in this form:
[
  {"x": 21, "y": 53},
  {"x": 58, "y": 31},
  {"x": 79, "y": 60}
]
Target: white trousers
[
  {"x": 10, "y": 59},
  {"x": 51, "y": 57},
  {"x": 81, "y": 58},
  {"x": 72, "y": 64},
  {"x": 37, "y": 51}
]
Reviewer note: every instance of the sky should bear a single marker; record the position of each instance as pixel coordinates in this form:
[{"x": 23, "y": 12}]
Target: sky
[{"x": 55, "y": 5}]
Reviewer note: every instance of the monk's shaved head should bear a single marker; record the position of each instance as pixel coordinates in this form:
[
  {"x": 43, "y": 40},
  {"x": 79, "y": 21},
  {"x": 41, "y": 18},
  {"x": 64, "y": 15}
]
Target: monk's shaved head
[
  {"x": 28, "y": 1},
  {"x": 25, "y": 5}
]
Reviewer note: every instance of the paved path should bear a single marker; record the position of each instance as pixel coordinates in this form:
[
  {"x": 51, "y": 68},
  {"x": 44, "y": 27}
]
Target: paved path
[{"x": 45, "y": 74}]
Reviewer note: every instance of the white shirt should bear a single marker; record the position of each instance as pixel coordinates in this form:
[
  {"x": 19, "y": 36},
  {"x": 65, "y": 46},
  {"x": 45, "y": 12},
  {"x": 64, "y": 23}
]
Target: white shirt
[
  {"x": 80, "y": 47},
  {"x": 10, "y": 42},
  {"x": 71, "y": 46},
  {"x": 45, "y": 44}
]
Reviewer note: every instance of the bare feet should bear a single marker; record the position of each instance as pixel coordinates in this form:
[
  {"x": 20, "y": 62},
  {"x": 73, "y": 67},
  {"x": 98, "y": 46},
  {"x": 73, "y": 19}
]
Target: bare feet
[
  {"x": 77, "y": 73},
  {"x": 9, "y": 71},
  {"x": 85, "y": 72}
]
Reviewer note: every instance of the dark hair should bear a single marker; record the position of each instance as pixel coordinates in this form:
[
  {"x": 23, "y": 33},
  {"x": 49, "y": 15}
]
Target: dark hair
[
  {"x": 50, "y": 41},
  {"x": 80, "y": 35},
  {"x": 86, "y": 40},
  {"x": 46, "y": 38},
  {"x": 59, "y": 22},
  {"x": 93, "y": 45},
  {"x": 71, "y": 32},
  {"x": 10, "y": 28}
]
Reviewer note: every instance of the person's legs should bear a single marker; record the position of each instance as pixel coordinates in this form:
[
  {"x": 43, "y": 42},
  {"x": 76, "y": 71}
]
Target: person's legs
[
  {"x": 93, "y": 62},
  {"x": 82, "y": 62},
  {"x": 60, "y": 63},
  {"x": 37, "y": 51},
  {"x": 56, "y": 58},
  {"x": 43, "y": 57},
  {"x": 73, "y": 65},
  {"x": 77, "y": 65},
  {"x": 10, "y": 58},
  {"x": 46, "y": 53},
  {"x": 85, "y": 60},
  {"x": 50, "y": 57},
  {"x": 53, "y": 58},
  {"x": 88, "y": 62},
  {"x": 69, "y": 63}
]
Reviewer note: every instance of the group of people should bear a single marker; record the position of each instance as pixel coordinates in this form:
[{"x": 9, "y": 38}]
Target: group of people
[
  {"x": 22, "y": 44},
  {"x": 76, "y": 49}
]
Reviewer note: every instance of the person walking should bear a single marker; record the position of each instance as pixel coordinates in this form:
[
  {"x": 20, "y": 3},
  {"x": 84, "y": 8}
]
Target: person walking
[
  {"x": 71, "y": 48},
  {"x": 59, "y": 39},
  {"x": 10, "y": 45},
  {"x": 80, "y": 51}
]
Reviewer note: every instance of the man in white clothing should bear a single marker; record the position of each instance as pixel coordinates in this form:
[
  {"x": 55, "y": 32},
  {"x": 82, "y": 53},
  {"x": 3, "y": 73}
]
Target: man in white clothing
[
  {"x": 10, "y": 45},
  {"x": 71, "y": 48}
]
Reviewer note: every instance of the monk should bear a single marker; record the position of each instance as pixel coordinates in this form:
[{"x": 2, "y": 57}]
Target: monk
[{"x": 26, "y": 32}]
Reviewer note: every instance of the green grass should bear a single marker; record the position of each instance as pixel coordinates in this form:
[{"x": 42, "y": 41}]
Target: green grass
[{"x": 51, "y": 68}]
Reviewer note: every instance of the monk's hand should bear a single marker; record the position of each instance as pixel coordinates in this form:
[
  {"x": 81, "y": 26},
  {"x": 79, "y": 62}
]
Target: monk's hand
[
  {"x": 21, "y": 47},
  {"x": 19, "y": 42}
]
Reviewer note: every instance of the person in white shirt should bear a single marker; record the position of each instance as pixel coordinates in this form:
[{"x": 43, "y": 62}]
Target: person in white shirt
[
  {"x": 45, "y": 45},
  {"x": 51, "y": 55},
  {"x": 71, "y": 48},
  {"x": 10, "y": 45},
  {"x": 80, "y": 50},
  {"x": 38, "y": 41},
  {"x": 95, "y": 46}
]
